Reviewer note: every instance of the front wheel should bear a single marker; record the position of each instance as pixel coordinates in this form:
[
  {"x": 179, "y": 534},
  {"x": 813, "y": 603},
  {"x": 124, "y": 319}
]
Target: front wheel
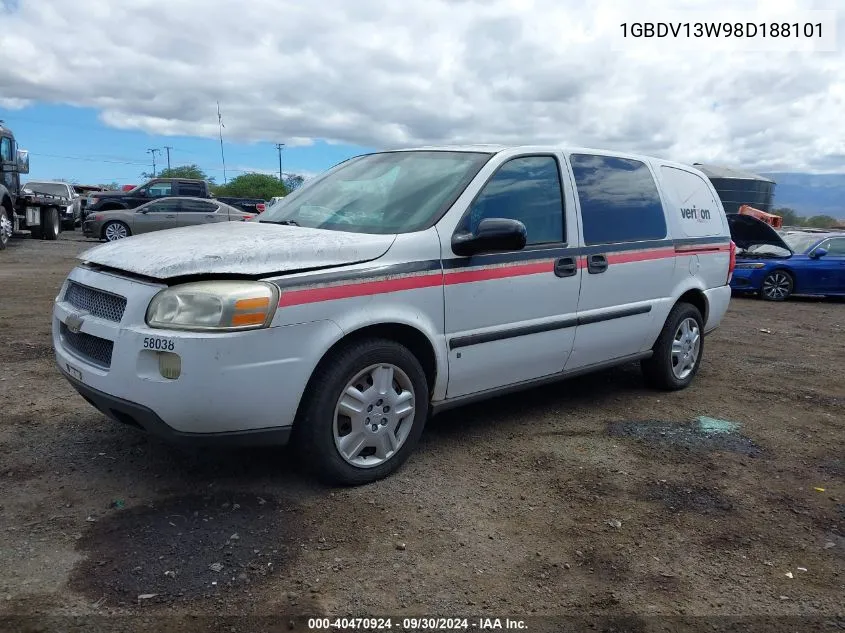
[
  {"x": 777, "y": 286},
  {"x": 6, "y": 228},
  {"x": 363, "y": 412},
  {"x": 115, "y": 231},
  {"x": 678, "y": 351}
]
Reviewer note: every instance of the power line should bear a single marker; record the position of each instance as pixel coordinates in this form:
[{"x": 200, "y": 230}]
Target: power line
[
  {"x": 153, "y": 151},
  {"x": 89, "y": 159}
]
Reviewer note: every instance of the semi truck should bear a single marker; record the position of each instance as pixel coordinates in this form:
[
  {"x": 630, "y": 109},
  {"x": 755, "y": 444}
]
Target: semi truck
[{"x": 21, "y": 208}]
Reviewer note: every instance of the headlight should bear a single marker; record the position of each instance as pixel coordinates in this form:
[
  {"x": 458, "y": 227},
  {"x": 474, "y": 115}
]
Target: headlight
[
  {"x": 214, "y": 305},
  {"x": 752, "y": 265},
  {"x": 93, "y": 200}
]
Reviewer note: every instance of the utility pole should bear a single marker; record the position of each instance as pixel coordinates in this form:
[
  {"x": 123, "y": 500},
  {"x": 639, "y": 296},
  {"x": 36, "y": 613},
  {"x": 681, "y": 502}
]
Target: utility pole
[
  {"x": 168, "y": 148},
  {"x": 153, "y": 151},
  {"x": 222, "y": 156},
  {"x": 280, "y": 147}
]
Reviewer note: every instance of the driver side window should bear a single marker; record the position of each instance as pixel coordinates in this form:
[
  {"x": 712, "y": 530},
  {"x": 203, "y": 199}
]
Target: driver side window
[
  {"x": 527, "y": 189},
  {"x": 165, "y": 206},
  {"x": 6, "y": 149},
  {"x": 834, "y": 246}
]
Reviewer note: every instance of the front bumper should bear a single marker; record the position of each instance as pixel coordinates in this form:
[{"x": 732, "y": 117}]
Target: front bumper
[
  {"x": 146, "y": 420},
  {"x": 747, "y": 279},
  {"x": 230, "y": 383},
  {"x": 90, "y": 228}
]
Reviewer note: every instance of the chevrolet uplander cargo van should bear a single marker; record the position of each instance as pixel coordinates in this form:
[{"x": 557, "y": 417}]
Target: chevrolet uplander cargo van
[{"x": 395, "y": 285}]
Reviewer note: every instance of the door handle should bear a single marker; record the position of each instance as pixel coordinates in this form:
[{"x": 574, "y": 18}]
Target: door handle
[
  {"x": 596, "y": 264},
  {"x": 170, "y": 217},
  {"x": 566, "y": 267},
  {"x": 210, "y": 216}
]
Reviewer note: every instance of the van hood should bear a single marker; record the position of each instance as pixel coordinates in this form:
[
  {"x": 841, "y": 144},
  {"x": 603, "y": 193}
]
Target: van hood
[
  {"x": 236, "y": 248},
  {"x": 748, "y": 231}
]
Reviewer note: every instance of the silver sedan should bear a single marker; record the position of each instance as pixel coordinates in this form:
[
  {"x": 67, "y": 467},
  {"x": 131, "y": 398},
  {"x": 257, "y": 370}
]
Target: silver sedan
[{"x": 160, "y": 214}]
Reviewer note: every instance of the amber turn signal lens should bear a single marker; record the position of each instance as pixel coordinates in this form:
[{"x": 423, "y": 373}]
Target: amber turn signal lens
[
  {"x": 260, "y": 303},
  {"x": 255, "y": 318}
]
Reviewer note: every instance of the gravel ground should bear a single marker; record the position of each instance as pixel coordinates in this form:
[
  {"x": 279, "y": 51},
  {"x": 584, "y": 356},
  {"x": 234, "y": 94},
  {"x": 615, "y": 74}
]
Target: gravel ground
[{"x": 591, "y": 498}]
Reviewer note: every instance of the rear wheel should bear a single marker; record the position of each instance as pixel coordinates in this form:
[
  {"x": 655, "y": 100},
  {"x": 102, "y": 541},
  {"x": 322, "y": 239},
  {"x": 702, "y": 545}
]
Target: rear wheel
[
  {"x": 50, "y": 224},
  {"x": 115, "y": 231},
  {"x": 777, "y": 286},
  {"x": 678, "y": 351},
  {"x": 363, "y": 412}
]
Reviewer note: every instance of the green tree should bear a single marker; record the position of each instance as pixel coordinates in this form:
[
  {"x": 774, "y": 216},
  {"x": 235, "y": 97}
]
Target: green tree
[
  {"x": 252, "y": 185},
  {"x": 821, "y": 221},
  {"x": 293, "y": 182},
  {"x": 790, "y": 216},
  {"x": 192, "y": 172}
]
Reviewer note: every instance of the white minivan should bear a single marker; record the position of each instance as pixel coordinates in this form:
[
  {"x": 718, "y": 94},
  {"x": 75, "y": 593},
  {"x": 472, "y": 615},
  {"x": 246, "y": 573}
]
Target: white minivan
[{"x": 395, "y": 285}]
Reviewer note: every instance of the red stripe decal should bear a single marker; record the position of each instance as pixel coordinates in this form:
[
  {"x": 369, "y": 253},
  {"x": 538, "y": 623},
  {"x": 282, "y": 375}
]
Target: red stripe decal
[
  {"x": 346, "y": 291},
  {"x": 450, "y": 277},
  {"x": 641, "y": 256},
  {"x": 499, "y": 272}
]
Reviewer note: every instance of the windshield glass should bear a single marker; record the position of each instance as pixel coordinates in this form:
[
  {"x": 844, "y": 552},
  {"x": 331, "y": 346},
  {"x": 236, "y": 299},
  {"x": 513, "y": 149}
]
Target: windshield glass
[
  {"x": 800, "y": 242},
  {"x": 392, "y": 192},
  {"x": 50, "y": 188}
]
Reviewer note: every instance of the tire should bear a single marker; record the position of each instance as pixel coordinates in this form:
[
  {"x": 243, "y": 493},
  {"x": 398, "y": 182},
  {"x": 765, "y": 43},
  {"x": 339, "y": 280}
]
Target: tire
[
  {"x": 50, "y": 224},
  {"x": 778, "y": 285},
  {"x": 115, "y": 230},
  {"x": 6, "y": 228},
  {"x": 661, "y": 371},
  {"x": 322, "y": 425}
]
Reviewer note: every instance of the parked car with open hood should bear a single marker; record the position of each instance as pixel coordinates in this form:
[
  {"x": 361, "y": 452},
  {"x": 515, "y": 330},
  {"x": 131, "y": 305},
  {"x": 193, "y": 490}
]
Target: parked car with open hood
[
  {"x": 396, "y": 284},
  {"x": 157, "y": 215},
  {"x": 777, "y": 265}
]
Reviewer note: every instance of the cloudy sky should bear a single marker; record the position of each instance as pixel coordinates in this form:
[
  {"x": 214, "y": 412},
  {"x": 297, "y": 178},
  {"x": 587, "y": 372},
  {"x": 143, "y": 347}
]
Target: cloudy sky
[{"x": 336, "y": 76}]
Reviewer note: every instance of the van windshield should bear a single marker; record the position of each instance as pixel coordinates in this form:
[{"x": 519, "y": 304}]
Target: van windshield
[{"x": 390, "y": 192}]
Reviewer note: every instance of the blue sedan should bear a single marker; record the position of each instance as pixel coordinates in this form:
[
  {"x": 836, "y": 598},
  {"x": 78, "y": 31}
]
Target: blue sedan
[{"x": 777, "y": 265}]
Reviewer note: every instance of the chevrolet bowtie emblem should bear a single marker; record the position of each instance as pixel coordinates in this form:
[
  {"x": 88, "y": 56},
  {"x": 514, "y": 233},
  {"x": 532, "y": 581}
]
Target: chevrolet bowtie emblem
[{"x": 74, "y": 322}]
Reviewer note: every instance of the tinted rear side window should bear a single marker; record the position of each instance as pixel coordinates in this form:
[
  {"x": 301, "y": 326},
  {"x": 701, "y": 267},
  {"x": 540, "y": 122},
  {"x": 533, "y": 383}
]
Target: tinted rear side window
[
  {"x": 191, "y": 189},
  {"x": 619, "y": 200}
]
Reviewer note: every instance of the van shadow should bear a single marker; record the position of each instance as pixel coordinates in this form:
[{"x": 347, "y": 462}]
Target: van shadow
[
  {"x": 170, "y": 468},
  {"x": 506, "y": 413}
]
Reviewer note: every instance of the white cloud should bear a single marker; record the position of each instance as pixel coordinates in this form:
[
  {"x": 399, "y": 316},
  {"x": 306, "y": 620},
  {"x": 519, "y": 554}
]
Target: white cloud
[{"x": 386, "y": 74}]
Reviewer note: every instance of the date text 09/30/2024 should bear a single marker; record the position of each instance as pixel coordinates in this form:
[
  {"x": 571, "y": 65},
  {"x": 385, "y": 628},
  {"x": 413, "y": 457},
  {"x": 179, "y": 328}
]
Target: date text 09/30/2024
[{"x": 416, "y": 624}]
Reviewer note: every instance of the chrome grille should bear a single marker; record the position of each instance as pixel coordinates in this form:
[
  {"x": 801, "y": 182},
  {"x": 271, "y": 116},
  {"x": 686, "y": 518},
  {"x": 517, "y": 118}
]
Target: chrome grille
[
  {"x": 91, "y": 348},
  {"x": 96, "y": 302}
]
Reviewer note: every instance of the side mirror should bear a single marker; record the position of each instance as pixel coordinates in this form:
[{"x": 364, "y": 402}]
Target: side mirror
[
  {"x": 492, "y": 235},
  {"x": 23, "y": 161},
  {"x": 819, "y": 252},
  {"x": 143, "y": 211}
]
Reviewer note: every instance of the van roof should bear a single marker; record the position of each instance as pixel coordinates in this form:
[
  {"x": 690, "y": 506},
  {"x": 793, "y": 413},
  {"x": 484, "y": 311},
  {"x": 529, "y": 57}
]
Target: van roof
[{"x": 497, "y": 148}]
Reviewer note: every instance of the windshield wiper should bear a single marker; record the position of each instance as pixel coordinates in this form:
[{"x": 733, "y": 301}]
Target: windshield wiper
[{"x": 282, "y": 222}]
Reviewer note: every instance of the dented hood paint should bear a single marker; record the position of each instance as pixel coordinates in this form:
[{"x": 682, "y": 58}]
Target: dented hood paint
[{"x": 240, "y": 248}]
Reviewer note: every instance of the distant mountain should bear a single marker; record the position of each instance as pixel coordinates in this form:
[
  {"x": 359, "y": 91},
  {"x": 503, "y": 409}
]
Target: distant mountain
[{"x": 810, "y": 194}]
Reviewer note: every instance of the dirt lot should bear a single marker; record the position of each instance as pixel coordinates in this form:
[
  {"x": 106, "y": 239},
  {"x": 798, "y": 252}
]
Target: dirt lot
[{"x": 595, "y": 496}]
